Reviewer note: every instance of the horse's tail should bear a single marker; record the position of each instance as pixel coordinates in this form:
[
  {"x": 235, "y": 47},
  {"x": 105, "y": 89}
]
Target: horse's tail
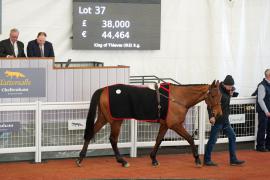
[{"x": 90, "y": 120}]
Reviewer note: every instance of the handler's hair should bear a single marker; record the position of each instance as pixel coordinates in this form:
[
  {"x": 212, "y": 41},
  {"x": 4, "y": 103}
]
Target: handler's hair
[
  {"x": 14, "y": 30},
  {"x": 267, "y": 72},
  {"x": 42, "y": 34}
]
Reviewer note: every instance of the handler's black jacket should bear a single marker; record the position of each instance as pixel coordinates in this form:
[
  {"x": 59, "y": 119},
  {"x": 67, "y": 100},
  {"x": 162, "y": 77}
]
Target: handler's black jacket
[{"x": 225, "y": 105}]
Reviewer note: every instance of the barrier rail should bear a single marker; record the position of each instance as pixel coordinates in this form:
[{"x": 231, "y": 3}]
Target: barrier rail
[{"x": 43, "y": 127}]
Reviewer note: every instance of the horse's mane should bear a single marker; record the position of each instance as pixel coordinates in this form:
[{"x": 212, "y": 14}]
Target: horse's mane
[{"x": 189, "y": 84}]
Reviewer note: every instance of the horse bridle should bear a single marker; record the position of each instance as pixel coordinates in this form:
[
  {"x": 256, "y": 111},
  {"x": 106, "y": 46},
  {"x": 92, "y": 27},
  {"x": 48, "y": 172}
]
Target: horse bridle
[{"x": 211, "y": 106}]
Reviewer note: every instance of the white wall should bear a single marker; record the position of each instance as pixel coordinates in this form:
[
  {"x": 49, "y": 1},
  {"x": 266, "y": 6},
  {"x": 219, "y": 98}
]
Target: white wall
[{"x": 201, "y": 40}]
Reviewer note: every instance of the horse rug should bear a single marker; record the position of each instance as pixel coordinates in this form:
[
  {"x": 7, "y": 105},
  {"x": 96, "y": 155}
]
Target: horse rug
[{"x": 136, "y": 102}]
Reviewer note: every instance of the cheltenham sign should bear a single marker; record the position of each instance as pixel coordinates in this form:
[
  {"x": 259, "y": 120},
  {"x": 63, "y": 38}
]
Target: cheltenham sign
[{"x": 22, "y": 82}]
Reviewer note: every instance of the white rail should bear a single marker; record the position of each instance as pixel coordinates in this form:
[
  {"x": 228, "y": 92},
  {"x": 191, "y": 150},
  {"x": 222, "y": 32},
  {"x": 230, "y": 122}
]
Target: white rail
[{"x": 44, "y": 128}]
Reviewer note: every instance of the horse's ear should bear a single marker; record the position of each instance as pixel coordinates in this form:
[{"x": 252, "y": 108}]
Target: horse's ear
[
  {"x": 217, "y": 84},
  {"x": 213, "y": 83}
]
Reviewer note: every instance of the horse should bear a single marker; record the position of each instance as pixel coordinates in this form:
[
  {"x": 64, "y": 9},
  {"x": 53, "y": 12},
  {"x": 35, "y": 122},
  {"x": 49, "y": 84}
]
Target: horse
[{"x": 181, "y": 98}]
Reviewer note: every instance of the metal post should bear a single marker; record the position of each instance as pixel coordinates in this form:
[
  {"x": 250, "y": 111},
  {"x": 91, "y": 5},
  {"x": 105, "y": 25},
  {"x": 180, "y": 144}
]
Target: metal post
[
  {"x": 133, "y": 149},
  {"x": 202, "y": 125},
  {"x": 38, "y": 133}
]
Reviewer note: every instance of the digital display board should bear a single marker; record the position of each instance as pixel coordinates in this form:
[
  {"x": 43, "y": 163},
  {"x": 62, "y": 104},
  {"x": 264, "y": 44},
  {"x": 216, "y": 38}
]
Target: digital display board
[{"x": 116, "y": 24}]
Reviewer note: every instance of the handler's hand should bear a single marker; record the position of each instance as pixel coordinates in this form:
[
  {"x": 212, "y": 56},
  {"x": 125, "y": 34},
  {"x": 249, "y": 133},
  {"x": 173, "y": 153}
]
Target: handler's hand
[
  {"x": 212, "y": 120},
  {"x": 267, "y": 114}
]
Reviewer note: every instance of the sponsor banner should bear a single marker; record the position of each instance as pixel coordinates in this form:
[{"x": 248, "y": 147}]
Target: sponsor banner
[
  {"x": 9, "y": 127},
  {"x": 22, "y": 82},
  {"x": 237, "y": 118},
  {"x": 77, "y": 124}
]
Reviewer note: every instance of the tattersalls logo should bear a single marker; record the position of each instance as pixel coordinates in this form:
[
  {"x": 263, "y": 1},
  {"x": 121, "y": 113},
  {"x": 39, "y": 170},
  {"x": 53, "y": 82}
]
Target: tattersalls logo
[
  {"x": 22, "y": 82},
  {"x": 14, "y": 78},
  {"x": 14, "y": 74}
]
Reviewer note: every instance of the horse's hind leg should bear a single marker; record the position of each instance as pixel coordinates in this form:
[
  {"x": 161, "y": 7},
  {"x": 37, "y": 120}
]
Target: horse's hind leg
[
  {"x": 82, "y": 153},
  {"x": 162, "y": 131},
  {"x": 179, "y": 129},
  {"x": 101, "y": 121},
  {"x": 115, "y": 130}
]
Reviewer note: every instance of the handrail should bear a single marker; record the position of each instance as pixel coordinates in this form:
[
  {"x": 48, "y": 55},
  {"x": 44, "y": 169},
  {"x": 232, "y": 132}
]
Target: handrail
[{"x": 150, "y": 79}]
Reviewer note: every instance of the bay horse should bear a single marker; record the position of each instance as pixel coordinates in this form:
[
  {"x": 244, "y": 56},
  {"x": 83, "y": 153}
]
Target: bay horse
[{"x": 181, "y": 98}]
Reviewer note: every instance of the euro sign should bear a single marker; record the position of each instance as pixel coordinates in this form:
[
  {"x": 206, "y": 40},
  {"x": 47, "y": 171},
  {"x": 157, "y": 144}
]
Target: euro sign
[{"x": 84, "y": 34}]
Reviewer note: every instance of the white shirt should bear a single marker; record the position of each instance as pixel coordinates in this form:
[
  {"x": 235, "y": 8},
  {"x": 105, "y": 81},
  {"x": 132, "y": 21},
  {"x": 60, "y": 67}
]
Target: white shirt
[
  {"x": 261, "y": 95},
  {"x": 15, "y": 46}
]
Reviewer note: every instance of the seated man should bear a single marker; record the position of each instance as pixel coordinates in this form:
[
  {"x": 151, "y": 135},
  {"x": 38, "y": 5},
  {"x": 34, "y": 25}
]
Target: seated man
[
  {"x": 40, "y": 47},
  {"x": 11, "y": 47}
]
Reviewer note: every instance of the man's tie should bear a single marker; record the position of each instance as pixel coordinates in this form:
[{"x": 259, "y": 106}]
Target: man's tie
[
  {"x": 14, "y": 54},
  {"x": 41, "y": 51}
]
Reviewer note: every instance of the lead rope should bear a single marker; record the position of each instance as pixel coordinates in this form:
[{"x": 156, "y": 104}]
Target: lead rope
[
  {"x": 196, "y": 132},
  {"x": 158, "y": 100}
]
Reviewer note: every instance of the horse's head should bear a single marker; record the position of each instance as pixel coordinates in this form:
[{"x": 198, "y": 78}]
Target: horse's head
[{"x": 213, "y": 98}]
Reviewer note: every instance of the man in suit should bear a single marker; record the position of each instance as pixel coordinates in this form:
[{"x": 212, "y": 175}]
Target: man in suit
[
  {"x": 40, "y": 47},
  {"x": 263, "y": 109},
  {"x": 11, "y": 47}
]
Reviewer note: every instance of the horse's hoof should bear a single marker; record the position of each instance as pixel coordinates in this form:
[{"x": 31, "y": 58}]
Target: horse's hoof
[
  {"x": 78, "y": 163},
  {"x": 155, "y": 164},
  {"x": 126, "y": 165},
  {"x": 198, "y": 163}
]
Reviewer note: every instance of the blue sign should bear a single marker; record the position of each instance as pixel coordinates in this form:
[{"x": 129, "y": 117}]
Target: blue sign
[
  {"x": 9, "y": 127},
  {"x": 22, "y": 82}
]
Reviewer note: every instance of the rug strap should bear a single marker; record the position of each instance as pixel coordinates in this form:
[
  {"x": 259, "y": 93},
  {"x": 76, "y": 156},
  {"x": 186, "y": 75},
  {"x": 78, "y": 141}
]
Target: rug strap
[{"x": 158, "y": 99}]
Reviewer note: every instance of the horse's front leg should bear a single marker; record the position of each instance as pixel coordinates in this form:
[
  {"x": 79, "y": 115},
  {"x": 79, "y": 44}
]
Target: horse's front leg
[
  {"x": 182, "y": 132},
  {"x": 115, "y": 130},
  {"x": 162, "y": 131}
]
